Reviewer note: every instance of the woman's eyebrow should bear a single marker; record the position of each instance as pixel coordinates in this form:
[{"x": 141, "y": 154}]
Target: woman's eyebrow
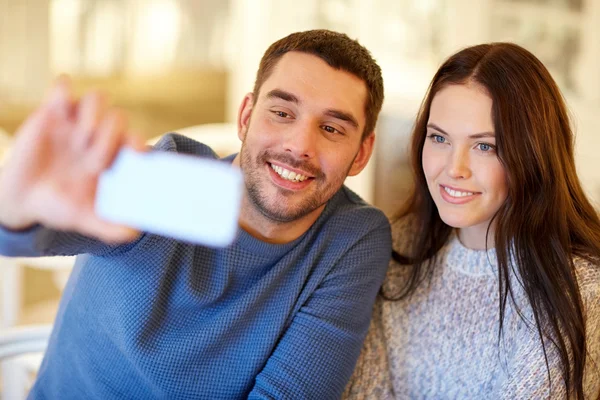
[{"x": 480, "y": 135}]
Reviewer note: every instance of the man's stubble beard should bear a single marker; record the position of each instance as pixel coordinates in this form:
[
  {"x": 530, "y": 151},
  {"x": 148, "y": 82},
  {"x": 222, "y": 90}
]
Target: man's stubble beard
[{"x": 281, "y": 213}]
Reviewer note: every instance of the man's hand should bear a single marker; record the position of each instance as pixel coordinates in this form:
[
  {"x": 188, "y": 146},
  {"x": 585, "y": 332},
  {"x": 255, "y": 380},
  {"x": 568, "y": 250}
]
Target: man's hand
[{"x": 53, "y": 169}]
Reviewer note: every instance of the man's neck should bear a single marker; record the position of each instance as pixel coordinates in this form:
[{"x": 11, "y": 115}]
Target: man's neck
[{"x": 262, "y": 228}]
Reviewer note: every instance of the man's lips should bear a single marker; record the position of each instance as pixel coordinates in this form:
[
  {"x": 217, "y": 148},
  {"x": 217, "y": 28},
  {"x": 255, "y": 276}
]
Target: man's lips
[
  {"x": 294, "y": 184},
  {"x": 286, "y": 171}
]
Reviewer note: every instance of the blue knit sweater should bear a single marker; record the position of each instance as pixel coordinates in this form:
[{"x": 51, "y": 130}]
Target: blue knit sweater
[{"x": 159, "y": 318}]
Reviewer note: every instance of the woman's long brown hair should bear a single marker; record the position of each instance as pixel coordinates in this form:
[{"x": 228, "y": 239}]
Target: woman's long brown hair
[{"x": 546, "y": 219}]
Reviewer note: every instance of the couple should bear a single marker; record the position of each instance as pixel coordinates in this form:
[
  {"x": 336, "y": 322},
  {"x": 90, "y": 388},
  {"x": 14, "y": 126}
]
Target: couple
[{"x": 492, "y": 288}]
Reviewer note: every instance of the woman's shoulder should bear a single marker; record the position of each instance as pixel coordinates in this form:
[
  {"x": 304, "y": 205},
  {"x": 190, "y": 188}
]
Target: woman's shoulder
[
  {"x": 398, "y": 273},
  {"x": 404, "y": 229},
  {"x": 587, "y": 271}
]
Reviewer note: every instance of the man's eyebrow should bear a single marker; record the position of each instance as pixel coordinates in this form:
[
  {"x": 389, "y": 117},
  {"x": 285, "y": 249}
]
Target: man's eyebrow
[
  {"x": 283, "y": 95},
  {"x": 344, "y": 116},
  {"x": 338, "y": 114},
  {"x": 473, "y": 136}
]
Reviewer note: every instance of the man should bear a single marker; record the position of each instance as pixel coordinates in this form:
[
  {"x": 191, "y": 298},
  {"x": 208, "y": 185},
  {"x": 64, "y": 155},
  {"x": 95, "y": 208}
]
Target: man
[{"x": 282, "y": 312}]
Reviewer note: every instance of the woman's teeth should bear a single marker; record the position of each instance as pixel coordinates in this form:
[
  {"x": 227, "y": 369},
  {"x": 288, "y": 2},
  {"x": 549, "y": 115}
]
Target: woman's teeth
[{"x": 456, "y": 193}]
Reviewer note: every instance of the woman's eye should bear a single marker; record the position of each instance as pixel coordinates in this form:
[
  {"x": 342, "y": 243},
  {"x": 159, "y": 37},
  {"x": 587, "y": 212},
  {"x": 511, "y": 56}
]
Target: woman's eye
[
  {"x": 437, "y": 138},
  {"x": 485, "y": 147}
]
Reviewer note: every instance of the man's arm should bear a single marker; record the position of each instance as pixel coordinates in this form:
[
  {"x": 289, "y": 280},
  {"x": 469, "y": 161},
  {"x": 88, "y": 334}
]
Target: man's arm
[
  {"x": 317, "y": 354},
  {"x": 39, "y": 241},
  {"x": 51, "y": 176}
]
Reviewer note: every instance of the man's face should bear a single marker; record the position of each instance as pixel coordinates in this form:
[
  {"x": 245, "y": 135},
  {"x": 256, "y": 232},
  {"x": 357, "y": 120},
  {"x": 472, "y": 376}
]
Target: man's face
[{"x": 302, "y": 137}]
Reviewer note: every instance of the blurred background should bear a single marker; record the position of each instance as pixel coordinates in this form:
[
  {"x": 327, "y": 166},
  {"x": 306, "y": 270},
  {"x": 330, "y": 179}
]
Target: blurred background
[{"x": 175, "y": 64}]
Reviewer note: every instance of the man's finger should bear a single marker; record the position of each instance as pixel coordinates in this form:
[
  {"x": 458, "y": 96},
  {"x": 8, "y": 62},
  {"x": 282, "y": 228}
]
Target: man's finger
[
  {"x": 91, "y": 109},
  {"x": 108, "y": 141},
  {"x": 135, "y": 141},
  {"x": 39, "y": 120},
  {"x": 105, "y": 231},
  {"x": 60, "y": 100}
]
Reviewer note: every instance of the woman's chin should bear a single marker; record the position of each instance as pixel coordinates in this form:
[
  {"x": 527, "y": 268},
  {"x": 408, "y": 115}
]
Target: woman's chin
[{"x": 456, "y": 222}]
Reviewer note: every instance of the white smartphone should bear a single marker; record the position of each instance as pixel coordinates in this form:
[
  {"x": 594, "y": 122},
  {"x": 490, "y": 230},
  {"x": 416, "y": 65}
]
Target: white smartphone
[{"x": 180, "y": 196}]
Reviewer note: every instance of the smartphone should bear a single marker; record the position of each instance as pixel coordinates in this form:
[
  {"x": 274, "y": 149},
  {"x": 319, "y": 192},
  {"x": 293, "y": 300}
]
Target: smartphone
[{"x": 184, "y": 197}]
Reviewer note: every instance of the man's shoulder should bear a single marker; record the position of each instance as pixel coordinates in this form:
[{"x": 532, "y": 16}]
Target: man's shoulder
[
  {"x": 178, "y": 143},
  {"x": 348, "y": 211},
  {"x": 355, "y": 230}
]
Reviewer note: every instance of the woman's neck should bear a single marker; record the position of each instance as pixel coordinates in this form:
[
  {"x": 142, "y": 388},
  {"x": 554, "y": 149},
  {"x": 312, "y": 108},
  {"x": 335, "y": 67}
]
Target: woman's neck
[{"x": 474, "y": 237}]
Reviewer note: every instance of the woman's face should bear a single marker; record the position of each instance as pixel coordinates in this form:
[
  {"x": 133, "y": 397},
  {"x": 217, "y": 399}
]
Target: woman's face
[{"x": 463, "y": 172}]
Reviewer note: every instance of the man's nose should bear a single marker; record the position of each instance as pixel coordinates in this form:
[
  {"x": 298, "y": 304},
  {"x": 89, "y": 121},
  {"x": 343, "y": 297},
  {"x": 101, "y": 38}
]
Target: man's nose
[{"x": 301, "y": 141}]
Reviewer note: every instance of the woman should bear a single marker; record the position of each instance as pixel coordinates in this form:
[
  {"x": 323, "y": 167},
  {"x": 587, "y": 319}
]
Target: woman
[{"x": 494, "y": 287}]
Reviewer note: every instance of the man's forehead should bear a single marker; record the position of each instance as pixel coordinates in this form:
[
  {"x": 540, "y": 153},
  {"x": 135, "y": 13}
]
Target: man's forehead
[
  {"x": 294, "y": 63},
  {"x": 309, "y": 78}
]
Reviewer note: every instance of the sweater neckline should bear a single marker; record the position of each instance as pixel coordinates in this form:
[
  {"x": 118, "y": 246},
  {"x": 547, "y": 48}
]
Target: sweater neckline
[
  {"x": 468, "y": 261},
  {"x": 259, "y": 247}
]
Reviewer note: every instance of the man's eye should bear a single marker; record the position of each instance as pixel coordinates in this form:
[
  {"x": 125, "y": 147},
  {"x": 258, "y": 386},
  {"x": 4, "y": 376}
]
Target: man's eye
[
  {"x": 330, "y": 129},
  {"x": 281, "y": 114}
]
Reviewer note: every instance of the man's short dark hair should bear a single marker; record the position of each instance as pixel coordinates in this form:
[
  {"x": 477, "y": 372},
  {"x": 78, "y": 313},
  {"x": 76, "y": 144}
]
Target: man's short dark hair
[{"x": 339, "y": 52}]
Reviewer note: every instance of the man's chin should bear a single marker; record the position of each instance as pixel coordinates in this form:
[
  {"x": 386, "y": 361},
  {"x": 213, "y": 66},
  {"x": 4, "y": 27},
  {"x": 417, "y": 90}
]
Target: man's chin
[
  {"x": 284, "y": 206},
  {"x": 276, "y": 213},
  {"x": 283, "y": 216}
]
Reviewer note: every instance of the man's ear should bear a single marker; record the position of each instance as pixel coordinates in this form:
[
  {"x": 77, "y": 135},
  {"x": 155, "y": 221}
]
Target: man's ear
[
  {"x": 363, "y": 155},
  {"x": 244, "y": 113}
]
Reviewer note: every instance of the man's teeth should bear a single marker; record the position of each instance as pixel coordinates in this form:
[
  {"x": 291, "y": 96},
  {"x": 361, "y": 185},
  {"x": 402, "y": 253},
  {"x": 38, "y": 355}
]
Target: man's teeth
[
  {"x": 289, "y": 175},
  {"x": 456, "y": 193}
]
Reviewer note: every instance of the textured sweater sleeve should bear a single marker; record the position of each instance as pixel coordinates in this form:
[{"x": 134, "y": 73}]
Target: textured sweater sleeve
[
  {"x": 528, "y": 374},
  {"x": 40, "y": 241},
  {"x": 317, "y": 354},
  {"x": 371, "y": 378}
]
